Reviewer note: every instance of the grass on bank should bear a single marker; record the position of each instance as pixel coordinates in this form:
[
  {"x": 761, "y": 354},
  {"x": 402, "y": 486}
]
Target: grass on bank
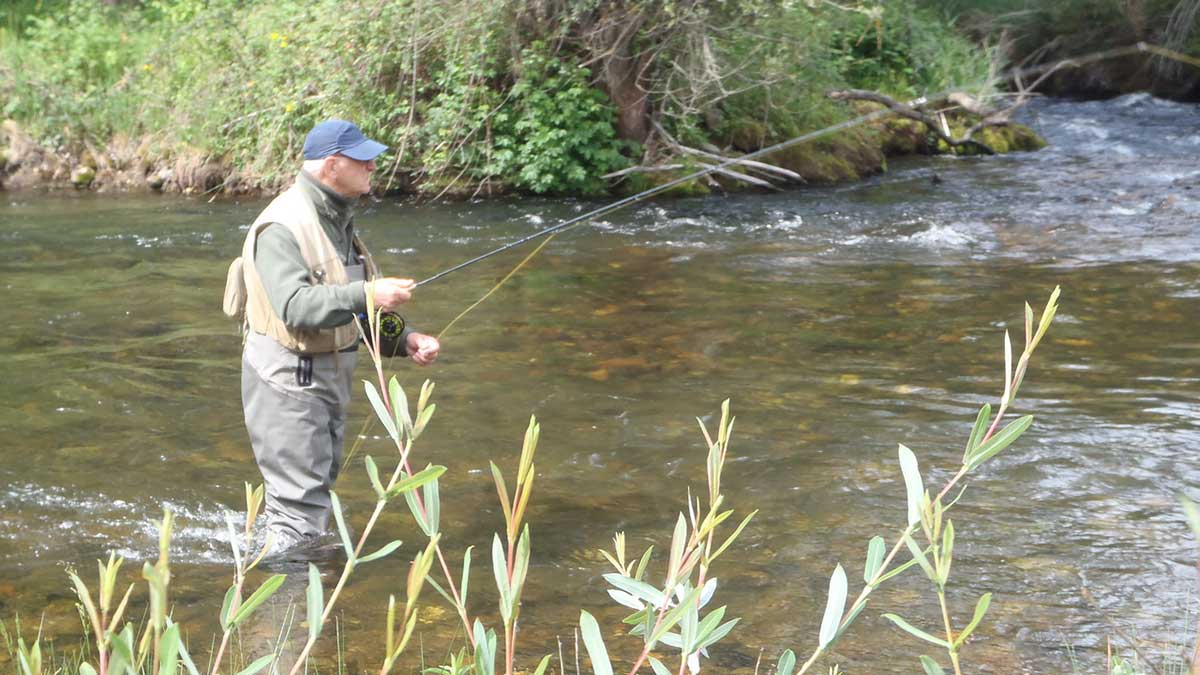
[{"x": 505, "y": 94}]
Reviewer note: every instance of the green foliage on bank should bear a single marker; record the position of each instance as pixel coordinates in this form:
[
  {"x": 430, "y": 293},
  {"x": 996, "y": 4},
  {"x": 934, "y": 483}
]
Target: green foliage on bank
[
  {"x": 1079, "y": 25},
  {"x": 498, "y": 93}
]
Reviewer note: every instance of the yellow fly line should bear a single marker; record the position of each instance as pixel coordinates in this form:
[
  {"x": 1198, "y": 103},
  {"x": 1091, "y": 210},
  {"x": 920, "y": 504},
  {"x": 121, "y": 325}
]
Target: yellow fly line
[{"x": 371, "y": 418}]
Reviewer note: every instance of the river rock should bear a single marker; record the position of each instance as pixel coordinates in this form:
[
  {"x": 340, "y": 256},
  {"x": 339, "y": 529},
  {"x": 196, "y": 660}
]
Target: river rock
[
  {"x": 82, "y": 176},
  {"x": 158, "y": 179}
]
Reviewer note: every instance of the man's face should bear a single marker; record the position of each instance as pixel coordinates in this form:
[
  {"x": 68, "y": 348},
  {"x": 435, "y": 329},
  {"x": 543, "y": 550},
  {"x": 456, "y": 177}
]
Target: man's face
[{"x": 351, "y": 177}]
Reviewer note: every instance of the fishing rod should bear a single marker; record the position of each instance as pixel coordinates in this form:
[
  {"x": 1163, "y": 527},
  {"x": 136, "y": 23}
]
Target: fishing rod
[{"x": 861, "y": 119}]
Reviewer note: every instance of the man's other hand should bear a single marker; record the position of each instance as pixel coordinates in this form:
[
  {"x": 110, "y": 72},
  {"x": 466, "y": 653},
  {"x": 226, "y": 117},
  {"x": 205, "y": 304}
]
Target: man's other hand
[
  {"x": 391, "y": 292},
  {"x": 423, "y": 348}
]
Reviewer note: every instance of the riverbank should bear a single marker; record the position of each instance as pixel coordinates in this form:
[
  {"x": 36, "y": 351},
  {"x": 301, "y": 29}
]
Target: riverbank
[
  {"x": 121, "y": 167},
  {"x": 491, "y": 98},
  {"x": 475, "y": 97}
]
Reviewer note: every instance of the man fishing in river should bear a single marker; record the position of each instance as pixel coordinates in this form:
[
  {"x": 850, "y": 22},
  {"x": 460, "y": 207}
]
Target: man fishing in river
[{"x": 303, "y": 277}]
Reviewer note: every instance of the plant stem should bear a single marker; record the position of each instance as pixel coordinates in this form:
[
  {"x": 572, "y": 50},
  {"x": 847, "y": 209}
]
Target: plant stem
[
  {"x": 646, "y": 652},
  {"x": 510, "y": 627},
  {"x": 100, "y": 650},
  {"x": 941, "y": 593},
  {"x": 403, "y": 465},
  {"x": 346, "y": 572},
  {"x": 233, "y": 607}
]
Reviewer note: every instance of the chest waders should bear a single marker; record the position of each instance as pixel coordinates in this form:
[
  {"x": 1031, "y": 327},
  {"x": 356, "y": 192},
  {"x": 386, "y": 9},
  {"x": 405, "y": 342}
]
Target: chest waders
[{"x": 295, "y": 407}]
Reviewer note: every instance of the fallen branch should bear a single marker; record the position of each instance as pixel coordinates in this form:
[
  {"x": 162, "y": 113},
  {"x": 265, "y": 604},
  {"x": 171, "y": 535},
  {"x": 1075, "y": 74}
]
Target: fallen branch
[
  {"x": 761, "y": 166},
  {"x": 642, "y": 169},
  {"x": 715, "y": 163},
  {"x": 915, "y": 114},
  {"x": 736, "y": 175}
]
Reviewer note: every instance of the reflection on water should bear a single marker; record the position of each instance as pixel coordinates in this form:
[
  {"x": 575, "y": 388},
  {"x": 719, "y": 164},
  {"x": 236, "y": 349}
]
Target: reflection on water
[{"x": 840, "y": 321}]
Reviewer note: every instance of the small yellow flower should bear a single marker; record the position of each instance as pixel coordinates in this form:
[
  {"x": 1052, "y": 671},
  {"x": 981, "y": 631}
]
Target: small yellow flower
[
  {"x": 274, "y": 36},
  {"x": 283, "y": 43},
  {"x": 289, "y": 107},
  {"x": 147, "y": 67}
]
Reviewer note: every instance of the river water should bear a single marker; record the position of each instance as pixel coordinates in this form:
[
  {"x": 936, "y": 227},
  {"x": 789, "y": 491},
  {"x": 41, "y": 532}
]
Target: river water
[{"x": 840, "y": 321}]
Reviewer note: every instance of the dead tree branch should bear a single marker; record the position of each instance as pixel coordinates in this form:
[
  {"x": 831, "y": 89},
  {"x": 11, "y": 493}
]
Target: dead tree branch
[{"x": 935, "y": 124}]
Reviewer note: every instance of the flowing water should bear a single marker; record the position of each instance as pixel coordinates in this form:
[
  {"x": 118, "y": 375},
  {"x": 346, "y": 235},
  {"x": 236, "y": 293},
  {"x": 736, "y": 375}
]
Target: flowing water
[{"x": 840, "y": 321}]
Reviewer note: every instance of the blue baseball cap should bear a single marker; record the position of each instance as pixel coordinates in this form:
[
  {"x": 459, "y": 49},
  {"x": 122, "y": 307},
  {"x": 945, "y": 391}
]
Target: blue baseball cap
[{"x": 333, "y": 137}]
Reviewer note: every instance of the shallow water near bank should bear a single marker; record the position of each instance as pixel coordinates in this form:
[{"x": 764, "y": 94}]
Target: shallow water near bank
[{"x": 839, "y": 320}]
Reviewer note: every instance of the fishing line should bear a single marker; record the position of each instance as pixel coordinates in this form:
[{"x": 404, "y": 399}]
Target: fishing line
[{"x": 550, "y": 232}]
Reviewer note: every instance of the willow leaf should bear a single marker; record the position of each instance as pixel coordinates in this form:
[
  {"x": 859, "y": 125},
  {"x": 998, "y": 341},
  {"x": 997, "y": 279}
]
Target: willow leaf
[
  {"x": 981, "y": 609},
  {"x": 343, "y": 531},
  {"x": 594, "y": 643},
  {"x": 430, "y": 472},
  {"x": 381, "y": 411},
  {"x": 919, "y": 556},
  {"x": 742, "y": 526},
  {"x": 931, "y": 667},
  {"x": 977, "y": 431},
  {"x": 875, "y": 551},
  {"x": 835, "y": 606},
  {"x": 1000, "y": 441},
  {"x": 227, "y": 607},
  {"x": 373, "y": 474},
  {"x": 257, "y": 598},
  {"x": 384, "y": 550},
  {"x": 914, "y": 631},
  {"x": 787, "y": 661},
  {"x": 258, "y": 665},
  {"x": 316, "y": 602},
  {"x": 913, "y": 485},
  {"x": 639, "y": 589}
]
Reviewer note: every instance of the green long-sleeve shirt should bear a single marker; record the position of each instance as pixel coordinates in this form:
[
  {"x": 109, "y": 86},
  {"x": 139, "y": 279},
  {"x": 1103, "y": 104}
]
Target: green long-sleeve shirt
[{"x": 285, "y": 276}]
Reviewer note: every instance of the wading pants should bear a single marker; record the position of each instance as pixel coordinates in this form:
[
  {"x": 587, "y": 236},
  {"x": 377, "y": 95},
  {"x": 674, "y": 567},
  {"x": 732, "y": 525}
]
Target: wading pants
[{"x": 295, "y": 409}]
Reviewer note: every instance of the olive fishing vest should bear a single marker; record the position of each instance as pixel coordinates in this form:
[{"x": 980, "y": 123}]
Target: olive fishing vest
[{"x": 295, "y": 211}]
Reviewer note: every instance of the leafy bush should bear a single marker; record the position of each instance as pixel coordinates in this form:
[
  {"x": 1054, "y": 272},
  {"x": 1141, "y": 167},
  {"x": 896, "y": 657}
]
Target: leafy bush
[
  {"x": 71, "y": 71},
  {"x": 905, "y": 51},
  {"x": 557, "y": 134}
]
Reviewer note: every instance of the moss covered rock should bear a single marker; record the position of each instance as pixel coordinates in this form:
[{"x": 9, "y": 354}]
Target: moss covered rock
[
  {"x": 848, "y": 156},
  {"x": 82, "y": 176}
]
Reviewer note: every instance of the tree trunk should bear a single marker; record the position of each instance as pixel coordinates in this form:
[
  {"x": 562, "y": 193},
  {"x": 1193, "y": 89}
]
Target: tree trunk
[{"x": 623, "y": 70}]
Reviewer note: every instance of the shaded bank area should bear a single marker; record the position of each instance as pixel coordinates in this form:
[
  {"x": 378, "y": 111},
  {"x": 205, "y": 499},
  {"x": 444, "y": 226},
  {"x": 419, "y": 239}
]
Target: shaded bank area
[
  {"x": 475, "y": 98},
  {"x": 1032, "y": 32}
]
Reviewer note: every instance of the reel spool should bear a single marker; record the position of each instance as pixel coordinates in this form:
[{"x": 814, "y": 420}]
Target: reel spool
[{"x": 391, "y": 335}]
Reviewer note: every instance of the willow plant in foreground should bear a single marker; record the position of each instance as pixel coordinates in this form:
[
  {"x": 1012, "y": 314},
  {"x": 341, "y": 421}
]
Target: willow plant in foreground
[
  {"x": 161, "y": 649},
  {"x": 670, "y": 613},
  {"x": 927, "y": 514},
  {"x": 392, "y": 409}
]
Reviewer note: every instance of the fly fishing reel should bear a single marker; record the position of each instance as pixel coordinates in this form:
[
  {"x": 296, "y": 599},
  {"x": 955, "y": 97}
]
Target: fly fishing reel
[{"x": 391, "y": 335}]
